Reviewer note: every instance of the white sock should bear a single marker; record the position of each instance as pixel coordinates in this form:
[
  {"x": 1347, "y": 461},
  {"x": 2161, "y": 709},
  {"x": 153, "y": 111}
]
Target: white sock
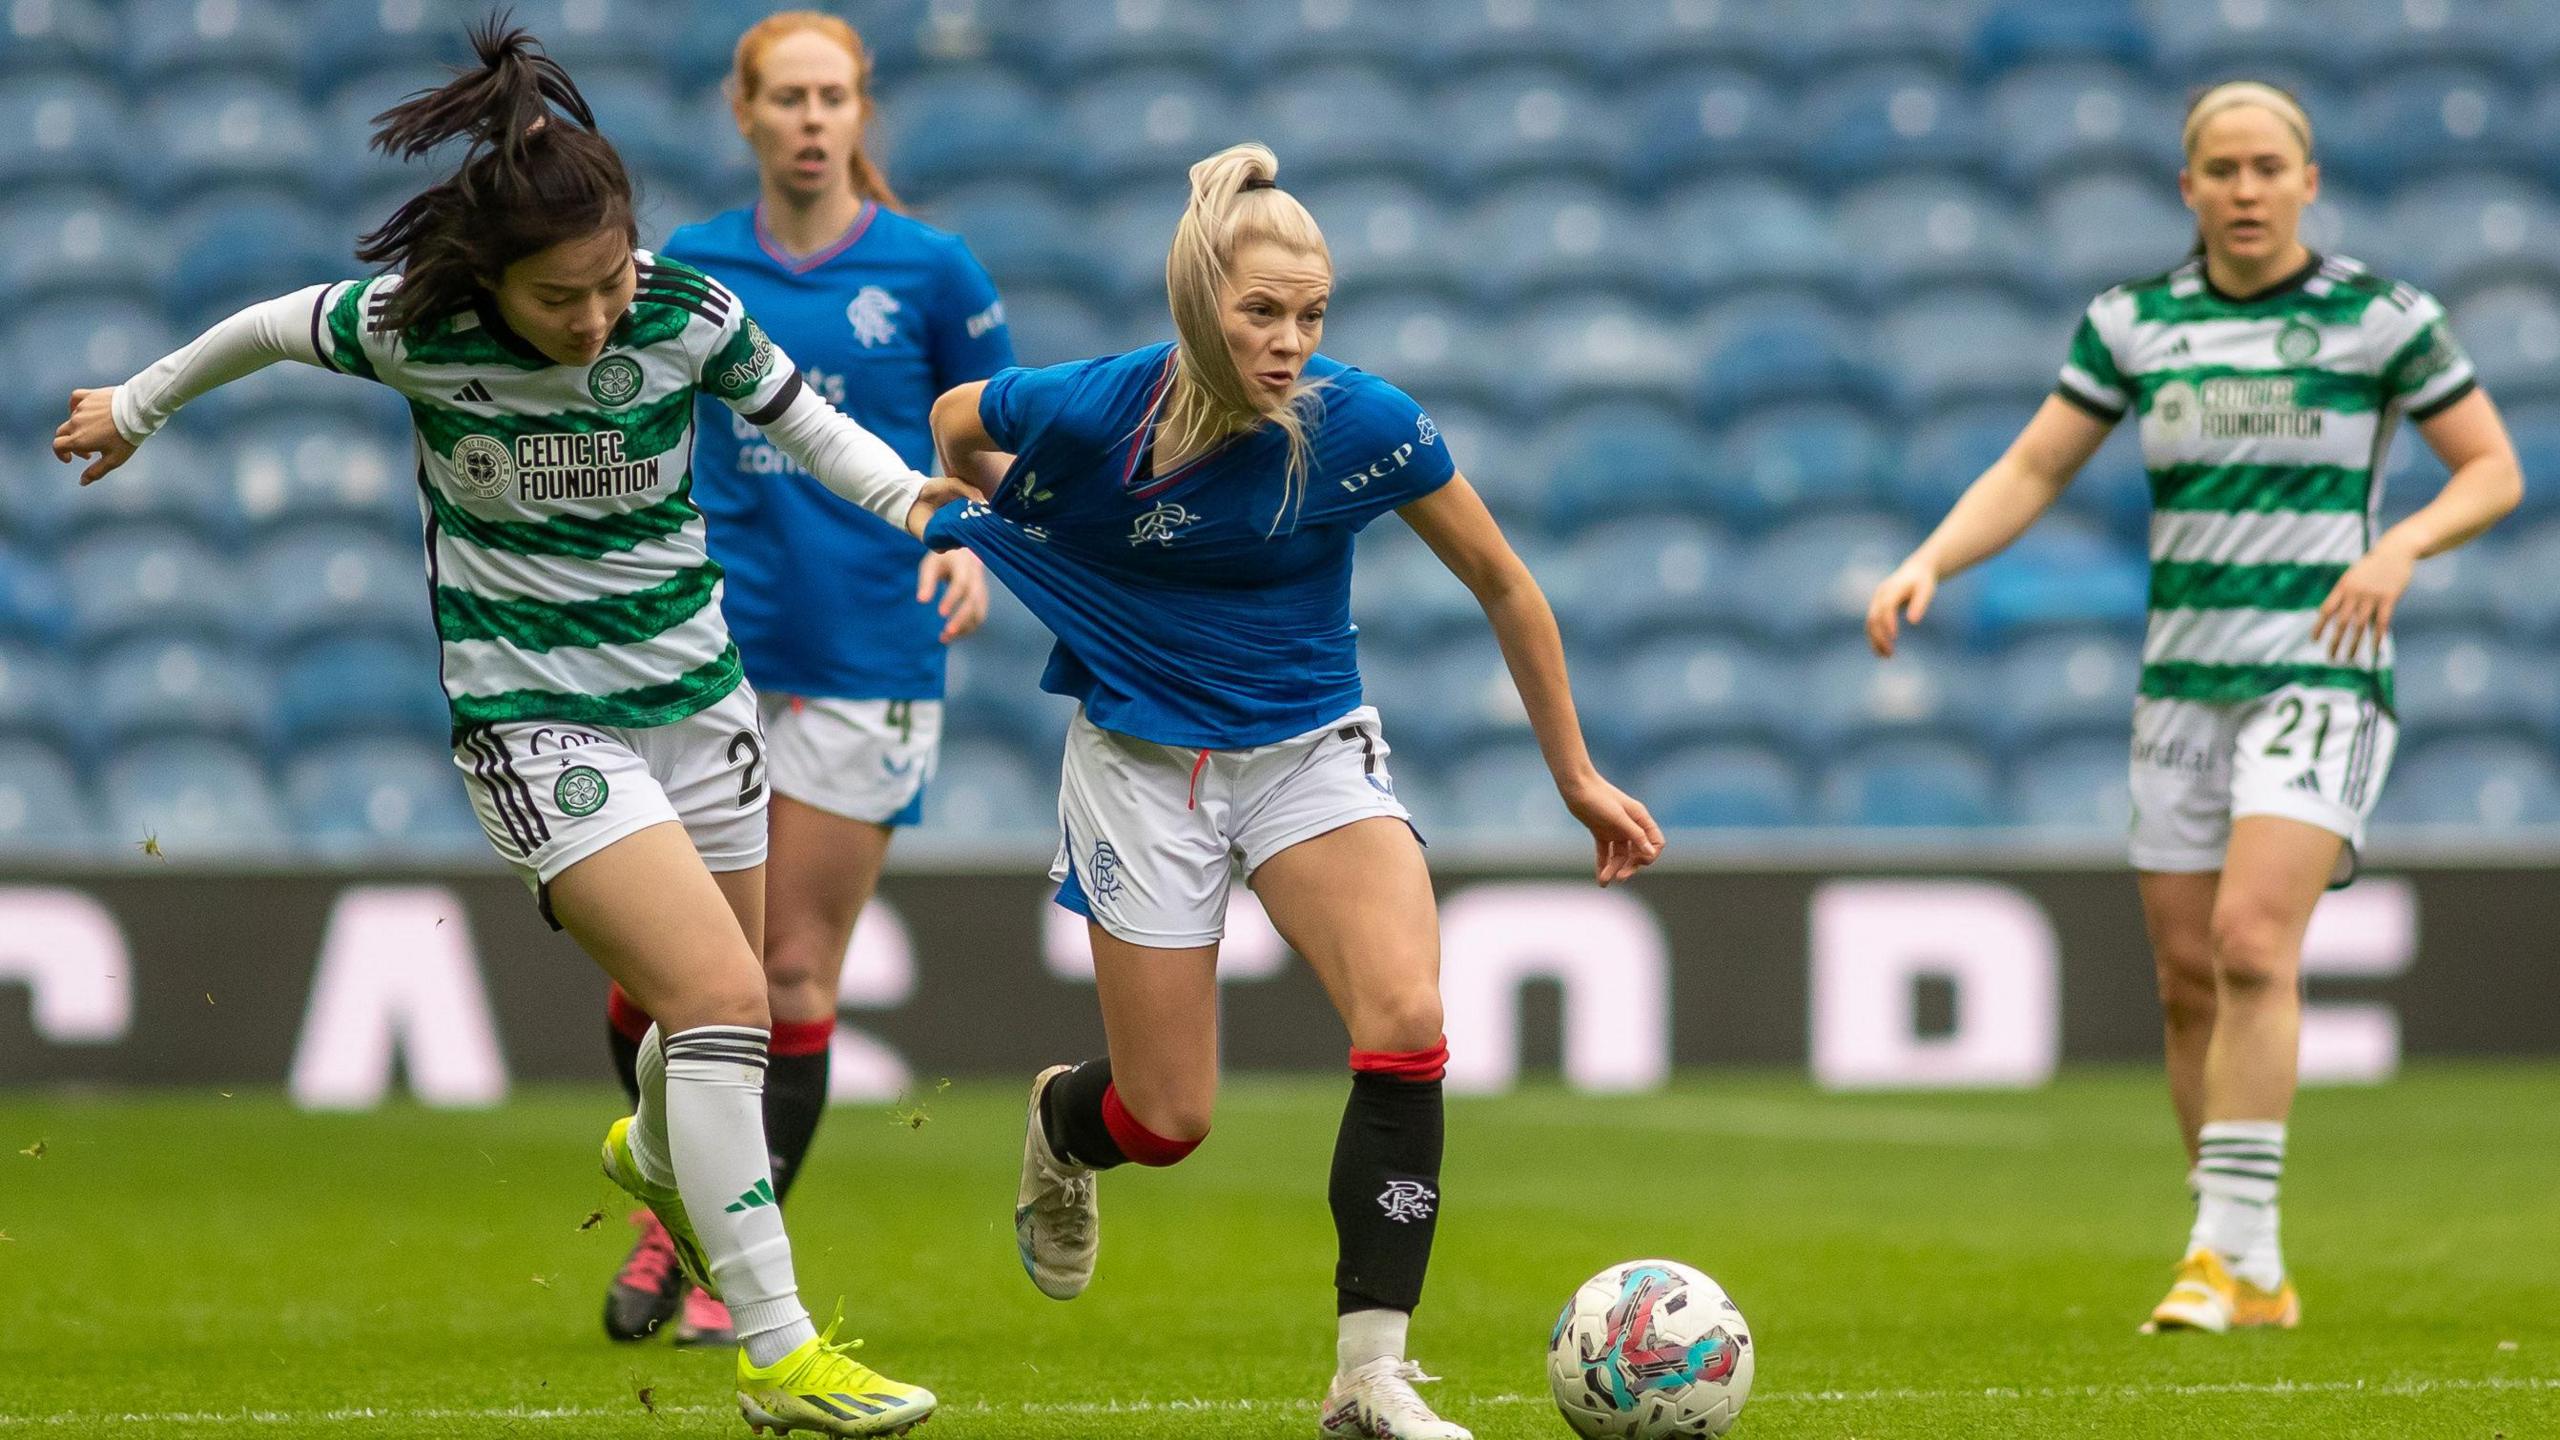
[
  {"x": 1368, "y": 1335},
  {"x": 714, "y": 1088},
  {"x": 649, "y": 1121},
  {"x": 2239, "y": 1165}
]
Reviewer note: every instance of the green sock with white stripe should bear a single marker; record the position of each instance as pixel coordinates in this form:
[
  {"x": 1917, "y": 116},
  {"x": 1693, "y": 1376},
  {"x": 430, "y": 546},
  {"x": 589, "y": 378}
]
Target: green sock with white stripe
[{"x": 2239, "y": 1164}]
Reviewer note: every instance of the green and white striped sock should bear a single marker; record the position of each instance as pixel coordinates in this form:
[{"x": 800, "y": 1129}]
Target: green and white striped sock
[{"x": 2238, "y": 1168}]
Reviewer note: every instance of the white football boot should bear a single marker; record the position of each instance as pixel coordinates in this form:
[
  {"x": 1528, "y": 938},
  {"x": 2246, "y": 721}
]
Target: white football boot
[
  {"x": 1057, "y": 1219},
  {"x": 1377, "y": 1402}
]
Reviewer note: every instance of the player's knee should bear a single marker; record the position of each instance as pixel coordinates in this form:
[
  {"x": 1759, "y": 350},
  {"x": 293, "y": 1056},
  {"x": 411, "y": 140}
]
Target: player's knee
[
  {"x": 1406, "y": 1019},
  {"x": 2253, "y": 952},
  {"x": 792, "y": 973},
  {"x": 2184, "y": 974}
]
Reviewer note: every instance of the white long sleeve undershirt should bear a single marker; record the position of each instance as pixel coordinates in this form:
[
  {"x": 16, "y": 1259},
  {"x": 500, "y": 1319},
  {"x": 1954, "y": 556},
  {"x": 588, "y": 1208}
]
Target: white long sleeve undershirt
[{"x": 847, "y": 459}]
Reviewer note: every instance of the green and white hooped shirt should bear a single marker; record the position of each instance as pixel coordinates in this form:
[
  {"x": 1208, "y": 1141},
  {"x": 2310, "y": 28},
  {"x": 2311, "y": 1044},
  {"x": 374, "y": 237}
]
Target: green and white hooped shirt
[
  {"x": 564, "y": 552},
  {"x": 2264, "y": 426}
]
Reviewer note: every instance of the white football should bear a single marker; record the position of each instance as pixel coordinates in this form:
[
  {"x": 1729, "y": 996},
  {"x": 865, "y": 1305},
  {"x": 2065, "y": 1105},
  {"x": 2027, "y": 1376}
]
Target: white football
[{"x": 1649, "y": 1350}]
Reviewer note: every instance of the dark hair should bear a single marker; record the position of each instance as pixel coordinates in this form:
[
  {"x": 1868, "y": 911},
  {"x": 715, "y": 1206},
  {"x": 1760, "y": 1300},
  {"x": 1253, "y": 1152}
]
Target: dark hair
[{"x": 537, "y": 173}]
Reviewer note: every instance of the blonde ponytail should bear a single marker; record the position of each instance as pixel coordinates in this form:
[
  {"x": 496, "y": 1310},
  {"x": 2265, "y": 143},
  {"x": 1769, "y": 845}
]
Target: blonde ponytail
[{"x": 1235, "y": 202}]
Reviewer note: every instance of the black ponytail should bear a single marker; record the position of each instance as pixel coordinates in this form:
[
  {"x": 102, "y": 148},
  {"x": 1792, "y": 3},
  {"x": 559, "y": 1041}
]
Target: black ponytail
[{"x": 537, "y": 172}]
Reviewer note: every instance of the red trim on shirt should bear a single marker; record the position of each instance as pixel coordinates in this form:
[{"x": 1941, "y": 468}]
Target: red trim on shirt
[
  {"x": 1157, "y": 484},
  {"x": 802, "y": 264}
]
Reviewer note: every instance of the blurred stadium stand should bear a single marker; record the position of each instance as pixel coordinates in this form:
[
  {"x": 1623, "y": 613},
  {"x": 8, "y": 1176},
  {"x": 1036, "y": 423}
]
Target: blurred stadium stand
[{"x": 1720, "y": 303}]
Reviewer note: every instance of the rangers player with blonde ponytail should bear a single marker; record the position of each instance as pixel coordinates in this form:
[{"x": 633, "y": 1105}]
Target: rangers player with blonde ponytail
[{"x": 1181, "y": 517}]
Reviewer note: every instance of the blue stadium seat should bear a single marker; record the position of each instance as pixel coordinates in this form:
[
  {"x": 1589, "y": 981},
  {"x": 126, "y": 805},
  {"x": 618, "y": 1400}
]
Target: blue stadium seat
[
  {"x": 236, "y": 254},
  {"x": 2446, "y": 680},
  {"x": 375, "y": 798},
  {"x": 35, "y": 604},
  {"x": 1736, "y": 235},
  {"x": 2064, "y": 573},
  {"x": 1125, "y": 239},
  {"x": 40, "y": 694},
  {"x": 1587, "y": 345},
  {"x": 1722, "y": 787},
  {"x": 59, "y": 37},
  {"x": 1384, "y": 233},
  {"x": 1148, "y": 125},
  {"x": 149, "y": 577},
  {"x": 589, "y": 35},
  {"x": 1341, "y": 120},
  {"x": 983, "y": 789},
  {"x": 166, "y": 40},
  {"x": 70, "y": 344},
  {"x": 2495, "y": 782},
  {"x": 294, "y": 468},
  {"x": 1781, "y": 346},
  {"x": 2513, "y": 335},
  {"x": 1691, "y": 122},
  {"x": 2456, "y": 589},
  {"x": 714, "y": 161},
  {"x": 2080, "y": 116},
  {"x": 362, "y": 686},
  {"x": 646, "y": 120},
  {"x": 1811, "y": 579},
  {"x": 330, "y": 577},
  {"x": 2376, "y": 36},
  {"x": 55, "y": 126},
  {"x": 1054, "y": 324},
  {"x": 86, "y": 252},
  {"x": 1505, "y": 790},
  {"x": 1497, "y": 123},
  {"x": 1946, "y": 452},
  {"x": 1081, "y": 39},
  {"x": 1461, "y": 36},
  {"x": 1646, "y": 37},
  {"x": 1972, "y": 345},
  {"x": 1914, "y": 233},
  {"x": 2066, "y": 685},
  {"x": 1613, "y": 456},
  {"x": 1537, "y": 237},
  {"x": 1496, "y": 454},
  {"x": 1843, "y": 695},
  {"x": 2106, "y": 229},
  {"x": 1023, "y": 234},
  {"x": 371, "y": 41},
  {"x": 151, "y": 687},
  {"x": 1431, "y": 346},
  {"x": 994, "y": 684},
  {"x": 2408, "y": 123},
  {"x": 225, "y": 131},
  {"x": 1294, "y": 36},
  {"x": 1693, "y": 689},
  {"x": 2349, "y": 221},
  {"x": 1909, "y": 784},
  {"x": 174, "y": 478},
  {"x": 1885, "y": 119},
  {"x": 197, "y": 799},
  {"x": 43, "y": 806},
  {"x": 967, "y": 125},
  {"x": 2079, "y": 785},
  {"x": 1657, "y": 571},
  {"x": 2476, "y": 230},
  {"x": 2528, "y": 603},
  {"x": 1816, "y": 38},
  {"x": 2534, "y": 426},
  {"x": 1801, "y": 457},
  {"x": 2018, "y": 34},
  {"x": 2206, "y": 44}
]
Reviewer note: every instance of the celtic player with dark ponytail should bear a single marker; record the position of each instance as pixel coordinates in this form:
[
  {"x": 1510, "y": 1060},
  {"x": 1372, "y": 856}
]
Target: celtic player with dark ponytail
[{"x": 600, "y": 718}]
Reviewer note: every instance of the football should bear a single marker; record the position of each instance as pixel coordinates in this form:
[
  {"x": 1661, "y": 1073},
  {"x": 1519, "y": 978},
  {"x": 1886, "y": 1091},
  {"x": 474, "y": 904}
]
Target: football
[{"x": 1648, "y": 1350}]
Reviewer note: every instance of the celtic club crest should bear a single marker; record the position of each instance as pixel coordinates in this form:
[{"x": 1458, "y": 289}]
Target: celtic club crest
[
  {"x": 614, "y": 381},
  {"x": 484, "y": 465},
  {"x": 580, "y": 791}
]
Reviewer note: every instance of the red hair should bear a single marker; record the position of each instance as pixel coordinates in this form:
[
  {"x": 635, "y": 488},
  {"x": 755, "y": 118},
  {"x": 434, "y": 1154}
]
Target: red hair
[{"x": 745, "y": 80}]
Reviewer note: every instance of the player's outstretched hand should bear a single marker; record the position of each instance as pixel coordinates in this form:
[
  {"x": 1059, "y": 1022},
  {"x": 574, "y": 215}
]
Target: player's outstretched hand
[
  {"x": 939, "y": 490},
  {"x": 1624, "y": 838},
  {"x": 1905, "y": 593},
  {"x": 91, "y": 431},
  {"x": 961, "y": 577}
]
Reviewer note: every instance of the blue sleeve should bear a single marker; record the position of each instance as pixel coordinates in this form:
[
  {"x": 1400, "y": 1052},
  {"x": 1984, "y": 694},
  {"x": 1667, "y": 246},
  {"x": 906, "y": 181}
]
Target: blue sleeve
[
  {"x": 1019, "y": 405},
  {"x": 1378, "y": 451},
  {"x": 969, "y": 337}
]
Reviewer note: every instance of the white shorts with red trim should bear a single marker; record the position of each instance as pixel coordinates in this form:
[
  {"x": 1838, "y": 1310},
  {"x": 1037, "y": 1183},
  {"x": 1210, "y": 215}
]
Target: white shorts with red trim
[{"x": 1152, "y": 836}]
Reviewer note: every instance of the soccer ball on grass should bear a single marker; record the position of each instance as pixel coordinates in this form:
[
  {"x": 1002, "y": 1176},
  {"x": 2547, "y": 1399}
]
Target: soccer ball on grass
[{"x": 1649, "y": 1350}]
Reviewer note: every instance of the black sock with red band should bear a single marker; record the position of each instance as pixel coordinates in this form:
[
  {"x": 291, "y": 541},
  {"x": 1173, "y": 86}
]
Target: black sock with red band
[{"x": 1386, "y": 1177}]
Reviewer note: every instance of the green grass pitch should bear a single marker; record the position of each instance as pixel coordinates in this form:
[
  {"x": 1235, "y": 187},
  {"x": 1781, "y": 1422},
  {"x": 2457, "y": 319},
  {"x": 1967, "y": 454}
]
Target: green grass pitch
[{"x": 1940, "y": 1266}]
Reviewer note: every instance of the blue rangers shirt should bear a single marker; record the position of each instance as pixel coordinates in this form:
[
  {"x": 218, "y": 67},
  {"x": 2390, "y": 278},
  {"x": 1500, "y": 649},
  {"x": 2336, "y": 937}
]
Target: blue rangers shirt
[
  {"x": 1210, "y": 606},
  {"x": 822, "y": 596}
]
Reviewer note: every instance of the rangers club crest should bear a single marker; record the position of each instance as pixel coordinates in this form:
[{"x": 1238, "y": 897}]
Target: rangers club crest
[
  {"x": 1161, "y": 524},
  {"x": 870, "y": 312},
  {"x": 1104, "y": 877},
  {"x": 1406, "y": 1201}
]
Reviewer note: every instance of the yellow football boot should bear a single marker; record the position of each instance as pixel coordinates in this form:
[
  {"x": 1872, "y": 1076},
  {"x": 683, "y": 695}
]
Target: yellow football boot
[
  {"x": 821, "y": 1387},
  {"x": 623, "y": 1169},
  {"x": 2207, "y": 1296}
]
